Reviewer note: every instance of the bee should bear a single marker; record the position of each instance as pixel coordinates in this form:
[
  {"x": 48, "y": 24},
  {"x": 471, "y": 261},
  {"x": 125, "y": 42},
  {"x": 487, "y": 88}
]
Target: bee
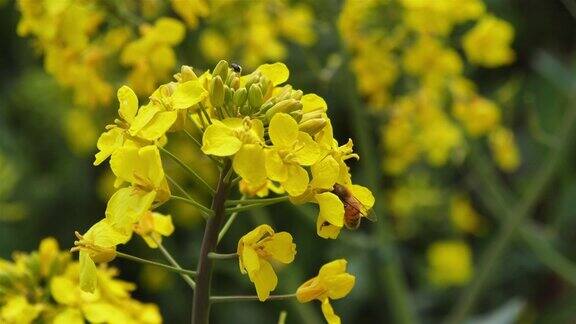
[
  {"x": 236, "y": 67},
  {"x": 354, "y": 210}
]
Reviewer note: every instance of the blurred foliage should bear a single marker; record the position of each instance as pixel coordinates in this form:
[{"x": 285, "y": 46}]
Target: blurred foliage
[{"x": 443, "y": 216}]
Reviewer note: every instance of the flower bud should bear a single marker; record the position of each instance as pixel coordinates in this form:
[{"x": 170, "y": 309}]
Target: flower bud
[
  {"x": 254, "y": 79},
  {"x": 312, "y": 126},
  {"x": 221, "y": 70},
  {"x": 255, "y": 97},
  {"x": 297, "y": 94},
  {"x": 235, "y": 83},
  {"x": 217, "y": 91},
  {"x": 228, "y": 95},
  {"x": 240, "y": 97},
  {"x": 311, "y": 115},
  {"x": 186, "y": 74},
  {"x": 285, "y": 106},
  {"x": 246, "y": 110},
  {"x": 297, "y": 115}
]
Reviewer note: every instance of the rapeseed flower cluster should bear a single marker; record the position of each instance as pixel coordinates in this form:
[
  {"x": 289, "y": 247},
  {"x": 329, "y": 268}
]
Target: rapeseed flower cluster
[
  {"x": 263, "y": 135},
  {"x": 43, "y": 286},
  {"x": 261, "y": 22},
  {"x": 408, "y": 68}
]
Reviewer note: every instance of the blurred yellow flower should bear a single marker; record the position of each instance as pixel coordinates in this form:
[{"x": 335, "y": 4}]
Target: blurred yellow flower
[
  {"x": 504, "y": 149},
  {"x": 488, "y": 43},
  {"x": 450, "y": 263}
]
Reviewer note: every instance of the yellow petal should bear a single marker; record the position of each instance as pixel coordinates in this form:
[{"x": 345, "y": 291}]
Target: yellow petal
[
  {"x": 277, "y": 72},
  {"x": 283, "y": 130},
  {"x": 364, "y": 195},
  {"x": 264, "y": 279},
  {"x": 281, "y": 248},
  {"x": 128, "y": 103},
  {"x": 333, "y": 268},
  {"x": 108, "y": 142},
  {"x": 327, "y": 230},
  {"x": 312, "y": 102},
  {"x": 188, "y": 94},
  {"x": 297, "y": 180},
  {"x": 144, "y": 116},
  {"x": 307, "y": 151},
  {"x": 158, "y": 125},
  {"x": 328, "y": 312},
  {"x": 69, "y": 316},
  {"x": 250, "y": 259},
  {"x": 63, "y": 290},
  {"x": 103, "y": 234},
  {"x": 126, "y": 207},
  {"x": 163, "y": 224},
  {"x": 331, "y": 208},
  {"x": 220, "y": 140},
  {"x": 339, "y": 285},
  {"x": 325, "y": 173},
  {"x": 88, "y": 275},
  {"x": 275, "y": 167},
  {"x": 248, "y": 163}
]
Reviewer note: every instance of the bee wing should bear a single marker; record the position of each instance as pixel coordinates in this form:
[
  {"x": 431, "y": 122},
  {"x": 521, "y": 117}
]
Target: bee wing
[
  {"x": 368, "y": 213},
  {"x": 371, "y": 215}
]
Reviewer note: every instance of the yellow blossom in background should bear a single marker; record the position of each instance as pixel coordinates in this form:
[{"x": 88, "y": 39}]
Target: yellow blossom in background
[
  {"x": 439, "y": 17},
  {"x": 332, "y": 282},
  {"x": 191, "y": 11},
  {"x": 488, "y": 43},
  {"x": 257, "y": 249},
  {"x": 450, "y": 263},
  {"x": 464, "y": 216},
  {"x": 44, "y": 287},
  {"x": 152, "y": 57},
  {"x": 504, "y": 149},
  {"x": 261, "y": 22},
  {"x": 80, "y": 131}
]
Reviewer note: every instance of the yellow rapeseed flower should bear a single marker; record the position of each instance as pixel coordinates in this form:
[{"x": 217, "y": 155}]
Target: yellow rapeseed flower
[
  {"x": 97, "y": 245},
  {"x": 152, "y": 226},
  {"x": 257, "y": 249},
  {"x": 504, "y": 149},
  {"x": 332, "y": 282}
]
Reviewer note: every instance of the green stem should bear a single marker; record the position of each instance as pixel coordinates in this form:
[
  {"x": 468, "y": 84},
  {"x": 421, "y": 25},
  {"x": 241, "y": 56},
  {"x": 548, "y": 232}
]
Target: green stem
[
  {"x": 156, "y": 264},
  {"x": 220, "y": 256},
  {"x": 201, "y": 302},
  {"x": 193, "y": 173},
  {"x": 223, "y": 299},
  {"x": 491, "y": 257},
  {"x": 257, "y": 201},
  {"x": 252, "y": 206},
  {"x": 205, "y": 210},
  {"x": 389, "y": 265}
]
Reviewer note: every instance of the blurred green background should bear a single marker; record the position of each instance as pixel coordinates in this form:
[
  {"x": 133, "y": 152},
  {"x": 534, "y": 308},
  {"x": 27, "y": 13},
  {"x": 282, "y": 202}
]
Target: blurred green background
[{"x": 48, "y": 189}]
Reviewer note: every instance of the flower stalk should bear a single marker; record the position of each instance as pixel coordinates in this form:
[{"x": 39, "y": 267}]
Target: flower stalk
[{"x": 201, "y": 302}]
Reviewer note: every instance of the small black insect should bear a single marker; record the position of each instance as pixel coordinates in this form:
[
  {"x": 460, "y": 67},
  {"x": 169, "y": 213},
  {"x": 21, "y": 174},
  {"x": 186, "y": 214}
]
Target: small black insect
[{"x": 236, "y": 67}]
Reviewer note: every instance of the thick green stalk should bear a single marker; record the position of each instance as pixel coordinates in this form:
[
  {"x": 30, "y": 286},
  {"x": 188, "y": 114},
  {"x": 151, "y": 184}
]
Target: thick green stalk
[
  {"x": 201, "y": 302},
  {"x": 389, "y": 265},
  {"x": 491, "y": 257}
]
